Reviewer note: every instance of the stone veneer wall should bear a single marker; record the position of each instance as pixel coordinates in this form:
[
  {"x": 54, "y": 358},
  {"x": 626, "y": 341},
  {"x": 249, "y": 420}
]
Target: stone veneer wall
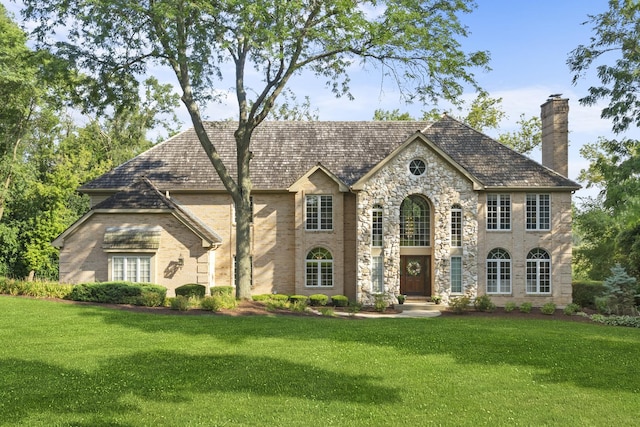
[{"x": 442, "y": 186}]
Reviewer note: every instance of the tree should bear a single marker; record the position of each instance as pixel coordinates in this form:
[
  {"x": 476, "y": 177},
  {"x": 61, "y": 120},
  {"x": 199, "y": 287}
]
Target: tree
[
  {"x": 616, "y": 40},
  {"x": 415, "y": 43}
]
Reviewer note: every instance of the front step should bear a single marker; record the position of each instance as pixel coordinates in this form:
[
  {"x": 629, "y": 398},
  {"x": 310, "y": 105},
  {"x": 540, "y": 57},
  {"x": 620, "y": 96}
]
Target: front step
[{"x": 420, "y": 305}]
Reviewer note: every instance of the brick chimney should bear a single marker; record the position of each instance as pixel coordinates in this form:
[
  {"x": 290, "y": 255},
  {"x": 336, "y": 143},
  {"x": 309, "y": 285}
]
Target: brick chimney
[{"x": 555, "y": 134}]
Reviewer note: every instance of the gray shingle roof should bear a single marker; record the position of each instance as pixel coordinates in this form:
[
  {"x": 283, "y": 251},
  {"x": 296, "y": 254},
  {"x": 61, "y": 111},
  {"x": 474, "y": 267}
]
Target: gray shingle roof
[{"x": 284, "y": 151}]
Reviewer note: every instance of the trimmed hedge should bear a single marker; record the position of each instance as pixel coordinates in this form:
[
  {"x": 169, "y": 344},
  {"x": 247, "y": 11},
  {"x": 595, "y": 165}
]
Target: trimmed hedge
[
  {"x": 318, "y": 300},
  {"x": 296, "y": 298},
  {"x": 191, "y": 290},
  {"x": 120, "y": 293},
  {"x": 339, "y": 300},
  {"x": 223, "y": 291},
  {"x": 585, "y": 293}
]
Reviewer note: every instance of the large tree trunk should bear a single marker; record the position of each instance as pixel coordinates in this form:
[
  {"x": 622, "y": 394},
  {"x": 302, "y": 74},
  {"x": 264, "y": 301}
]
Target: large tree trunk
[{"x": 243, "y": 212}]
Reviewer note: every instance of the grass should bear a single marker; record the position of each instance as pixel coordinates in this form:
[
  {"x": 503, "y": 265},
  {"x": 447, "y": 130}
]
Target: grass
[{"x": 64, "y": 364}]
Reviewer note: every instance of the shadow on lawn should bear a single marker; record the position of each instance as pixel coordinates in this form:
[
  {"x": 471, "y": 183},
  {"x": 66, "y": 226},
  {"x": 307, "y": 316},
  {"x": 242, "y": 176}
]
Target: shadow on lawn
[
  {"x": 587, "y": 355},
  {"x": 33, "y": 387}
]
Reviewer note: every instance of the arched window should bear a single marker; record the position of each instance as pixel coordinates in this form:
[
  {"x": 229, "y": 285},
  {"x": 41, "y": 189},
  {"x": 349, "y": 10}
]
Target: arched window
[
  {"x": 538, "y": 272},
  {"x": 376, "y": 226},
  {"x": 415, "y": 223},
  {"x": 498, "y": 272},
  {"x": 319, "y": 267},
  {"x": 456, "y": 226}
]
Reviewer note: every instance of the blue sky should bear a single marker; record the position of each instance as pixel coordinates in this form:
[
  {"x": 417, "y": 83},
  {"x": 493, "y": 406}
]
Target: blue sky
[{"x": 529, "y": 41}]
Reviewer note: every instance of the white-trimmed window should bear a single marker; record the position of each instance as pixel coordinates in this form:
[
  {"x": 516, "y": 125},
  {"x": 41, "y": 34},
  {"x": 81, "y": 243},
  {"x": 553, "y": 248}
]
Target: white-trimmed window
[
  {"x": 377, "y": 274},
  {"x": 498, "y": 212},
  {"x": 456, "y": 275},
  {"x": 538, "y": 212},
  {"x": 319, "y": 268},
  {"x": 538, "y": 272},
  {"x": 376, "y": 226},
  {"x": 456, "y": 226},
  {"x": 319, "y": 212},
  {"x": 415, "y": 222},
  {"x": 498, "y": 272},
  {"x": 131, "y": 268}
]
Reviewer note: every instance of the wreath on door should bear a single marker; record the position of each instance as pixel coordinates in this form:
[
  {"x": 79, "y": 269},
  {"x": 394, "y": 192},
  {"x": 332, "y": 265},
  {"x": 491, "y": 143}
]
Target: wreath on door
[{"x": 413, "y": 268}]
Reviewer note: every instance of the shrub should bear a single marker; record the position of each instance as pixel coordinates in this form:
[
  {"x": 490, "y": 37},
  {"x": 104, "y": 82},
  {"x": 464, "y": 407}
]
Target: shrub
[
  {"x": 622, "y": 291},
  {"x": 548, "y": 308},
  {"x": 510, "y": 306},
  {"x": 629, "y": 321},
  {"x": 585, "y": 293},
  {"x": 602, "y": 305},
  {"x": 380, "y": 302},
  {"x": 179, "y": 303},
  {"x": 38, "y": 289},
  {"x": 119, "y": 293},
  {"x": 191, "y": 290},
  {"x": 339, "y": 300},
  {"x": 224, "y": 291},
  {"x": 211, "y": 303},
  {"x": 279, "y": 297},
  {"x": 276, "y": 304},
  {"x": 299, "y": 306},
  {"x": 296, "y": 298},
  {"x": 460, "y": 305},
  {"x": 570, "y": 309},
  {"x": 484, "y": 303},
  {"x": 261, "y": 297},
  {"x": 327, "y": 311},
  {"x": 318, "y": 300},
  {"x": 525, "y": 307},
  {"x": 354, "y": 307}
]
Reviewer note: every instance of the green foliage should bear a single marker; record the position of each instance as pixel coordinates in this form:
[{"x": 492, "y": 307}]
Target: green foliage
[
  {"x": 548, "y": 308},
  {"x": 602, "y": 304},
  {"x": 327, "y": 311},
  {"x": 510, "y": 306},
  {"x": 380, "y": 302},
  {"x": 584, "y": 293},
  {"x": 119, "y": 293},
  {"x": 436, "y": 299},
  {"x": 317, "y": 300},
  {"x": 460, "y": 305},
  {"x": 223, "y": 291},
  {"x": 279, "y": 297},
  {"x": 191, "y": 290},
  {"x": 628, "y": 321},
  {"x": 339, "y": 300},
  {"x": 180, "y": 303},
  {"x": 261, "y": 297},
  {"x": 354, "y": 307},
  {"x": 615, "y": 42},
  {"x": 571, "y": 309},
  {"x": 525, "y": 307},
  {"x": 224, "y": 296},
  {"x": 527, "y": 137},
  {"x": 295, "y": 298},
  {"x": 216, "y": 303},
  {"x": 394, "y": 115},
  {"x": 484, "y": 303},
  {"x": 622, "y": 290},
  {"x": 38, "y": 289},
  {"x": 299, "y": 306}
]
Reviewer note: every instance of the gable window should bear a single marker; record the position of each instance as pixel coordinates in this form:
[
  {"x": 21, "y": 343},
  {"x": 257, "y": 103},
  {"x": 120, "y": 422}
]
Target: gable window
[
  {"x": 456, "y": 226},
  {"x": 498, "y": 272},
  {"x": 538, "y": 212},
  {"x": 415, "y": 222},
  {"x": 498, "y": 212},
  {"x": 319, "y": 212},
  {"x": 131, "y": 268},
  {"x": 538, "y": 272},
  {"x": 319, "y": 268},
  {"x": 376, "y": 226},
  {"x": 456, "y": 275},
  {"x": 377, "y": 274},
  {"x": 417, "y": 167}
]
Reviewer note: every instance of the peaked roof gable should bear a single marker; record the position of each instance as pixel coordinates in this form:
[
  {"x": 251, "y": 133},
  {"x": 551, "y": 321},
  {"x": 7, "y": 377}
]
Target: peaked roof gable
[{"x": 283, "y": 152}]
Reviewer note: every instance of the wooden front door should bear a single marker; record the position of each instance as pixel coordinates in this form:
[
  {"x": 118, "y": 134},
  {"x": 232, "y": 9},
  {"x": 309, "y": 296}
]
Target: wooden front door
[{"x": 415, "y": 275}]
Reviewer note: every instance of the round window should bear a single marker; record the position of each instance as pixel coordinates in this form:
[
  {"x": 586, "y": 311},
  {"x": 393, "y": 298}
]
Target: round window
[{"x": 417, "y": 167}]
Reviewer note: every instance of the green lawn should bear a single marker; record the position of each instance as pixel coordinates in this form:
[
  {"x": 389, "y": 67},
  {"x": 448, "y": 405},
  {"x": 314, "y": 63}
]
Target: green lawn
[{"x": 65, "y": 364}]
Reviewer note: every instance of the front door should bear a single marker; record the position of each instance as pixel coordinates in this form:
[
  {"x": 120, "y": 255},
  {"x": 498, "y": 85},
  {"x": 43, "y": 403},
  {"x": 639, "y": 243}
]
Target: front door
[{"x": 415, "y": 275}]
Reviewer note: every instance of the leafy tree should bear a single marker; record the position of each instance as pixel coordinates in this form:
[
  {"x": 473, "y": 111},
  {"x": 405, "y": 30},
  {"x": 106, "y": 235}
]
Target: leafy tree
[
  {"x": 413, "y": 42},
  {"x": 388, "y": 116},
  {"x": 290, "y": 109},
  {"x": 614, "y": 50},
  {"x": 622, "y": 292},
  {"x": 526, "y": 138}
]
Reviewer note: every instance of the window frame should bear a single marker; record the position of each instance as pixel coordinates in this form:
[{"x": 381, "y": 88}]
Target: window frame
[
  {"x": 377, "y": 223},
  {"x": 456, "y": 226},
  {"x": 537, "y": 212},
  {"x": 423, "y": 228},
  {"x": 323, "y": 214},
  {"x": 414, "y": 167},
  {"x": 377, "y": 274},
  {"x": 538, "y": 265},
  {"x": 126, "y": 272},
  {"x": 320, "y": 265},
  {"x": 502, "y": 260},
  {"x": 498, "y": 212},
  {"x": 456, "y": 276}
]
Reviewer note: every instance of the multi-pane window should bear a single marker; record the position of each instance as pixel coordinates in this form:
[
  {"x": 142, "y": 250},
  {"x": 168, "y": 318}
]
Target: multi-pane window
[
  {"x": 415, "y": 222},
  {"x": 538, "y": 212},
  {"x": 319, "y": 268},
  {"x": 456, "y": 226},
  {"x": 538, "y": 272},
  {"x": 417, "y": 167},
  {"x": 376, "y": 226},
  {"x": 377, "y": 274},
  {"x": 456, "y": 275},
  {"x": 131, "y": 268},
  {"x": 498, "y": 212},
  {"x": 498, "y": 272},
  {"x": 319, "y": 212}
]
